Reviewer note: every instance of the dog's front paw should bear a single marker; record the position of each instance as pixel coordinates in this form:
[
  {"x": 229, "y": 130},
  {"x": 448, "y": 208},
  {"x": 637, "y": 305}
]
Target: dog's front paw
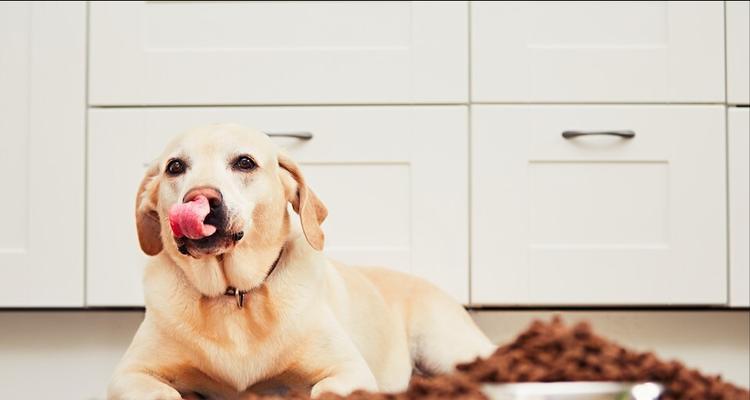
[
  {"x": 343, "y": 386},
  {"x": 141, "y": 387},
  {"x": 164, "y": 394},
  {"x": 159, "y": 394}
]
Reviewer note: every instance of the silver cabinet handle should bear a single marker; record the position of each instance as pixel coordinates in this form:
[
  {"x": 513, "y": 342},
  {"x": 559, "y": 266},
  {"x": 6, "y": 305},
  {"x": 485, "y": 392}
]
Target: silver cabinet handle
[
  {"x": 626, "y": 134},
  {"x": 294, "y": 135}
]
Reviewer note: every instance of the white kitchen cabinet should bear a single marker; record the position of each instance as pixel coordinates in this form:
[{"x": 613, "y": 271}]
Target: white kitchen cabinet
[
  {"x": 738, "y": 52},
  {"x": 575, "y": 52},
  {"x": 204, "y": 53},
  {"x": 599, "y": 219},
  {"x": 586, "y": 221},
  {"x": 42, "y": 130},
  {"x": 739, "y": 204},
  {"x": 395, "y": 180}
]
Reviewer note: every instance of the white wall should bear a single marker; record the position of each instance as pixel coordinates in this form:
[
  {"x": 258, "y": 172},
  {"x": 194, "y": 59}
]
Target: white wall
[{"x": 71, "y": 354}]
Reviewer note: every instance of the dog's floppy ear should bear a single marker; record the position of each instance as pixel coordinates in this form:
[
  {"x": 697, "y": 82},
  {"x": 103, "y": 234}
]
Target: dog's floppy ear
[
  {"x": 146, "y": 217},
  {"x": 311, "y": 210}
]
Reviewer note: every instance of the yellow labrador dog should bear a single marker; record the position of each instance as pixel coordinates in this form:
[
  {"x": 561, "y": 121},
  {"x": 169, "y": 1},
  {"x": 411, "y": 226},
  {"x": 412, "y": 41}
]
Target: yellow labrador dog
[{"x": 257, "y": 303}]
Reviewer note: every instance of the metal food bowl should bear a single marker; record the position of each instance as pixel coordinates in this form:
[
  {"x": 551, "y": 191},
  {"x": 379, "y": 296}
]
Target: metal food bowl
[{"x": 574, "y": 390}]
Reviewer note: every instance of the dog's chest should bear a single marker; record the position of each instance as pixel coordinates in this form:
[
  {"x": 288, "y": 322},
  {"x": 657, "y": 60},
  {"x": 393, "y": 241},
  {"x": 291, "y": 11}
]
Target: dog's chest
[{"x": 239, "y": 352}]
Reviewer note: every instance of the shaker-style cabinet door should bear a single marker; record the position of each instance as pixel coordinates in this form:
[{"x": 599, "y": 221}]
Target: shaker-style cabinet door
[
  {"x": 42, "y": 136},
  {"x": 394, "y": 179},
  {"x": 649, "y": 51},
  {"x": 203, "y": 53},
  {"x": 593, "y": 205}
]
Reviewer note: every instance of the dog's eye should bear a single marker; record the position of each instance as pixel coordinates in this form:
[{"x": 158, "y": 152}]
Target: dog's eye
[
  {"x": 244, "y": 163},
  {"x": 175, "y": 167}
]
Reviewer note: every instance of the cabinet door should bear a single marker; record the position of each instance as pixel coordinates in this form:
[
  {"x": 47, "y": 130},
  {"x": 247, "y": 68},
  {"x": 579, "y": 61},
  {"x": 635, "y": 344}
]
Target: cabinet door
[
  {"x": 199, "y": 53},
  {"x": 599, "y": 219},
  {"x": 739, "y": 204},
  {"x": 42, "y": 122},
  {"x": 738, "y": 52},
  {"x": 394, "y": 179},
  {"x": 657, "y": 51}
]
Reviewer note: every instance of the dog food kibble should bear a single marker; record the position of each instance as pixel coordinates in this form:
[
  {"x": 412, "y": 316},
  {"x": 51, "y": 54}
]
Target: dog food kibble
[
  {"x": 548, "y": 352},
  {"x": 186, "y": 219},
  {"x": 555, "y": 352}
]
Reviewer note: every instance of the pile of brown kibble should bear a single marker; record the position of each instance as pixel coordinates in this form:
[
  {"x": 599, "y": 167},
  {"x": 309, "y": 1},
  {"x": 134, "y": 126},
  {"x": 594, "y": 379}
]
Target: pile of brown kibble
[
  {"x": 555, "y": 352},
  {"x": 551, "y": 352}
]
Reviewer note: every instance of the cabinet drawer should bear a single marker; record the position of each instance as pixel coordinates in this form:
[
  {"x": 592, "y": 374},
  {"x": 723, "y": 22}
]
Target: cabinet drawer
[
  {"x": 739, "y": 206},
  {"x": 738, "y": 52},
  {"x": 200, "y": 53},
  {"x": 394, "y": 179},
  {"x": 598, "y": 219},
  {"x": 597, "y": 51}
]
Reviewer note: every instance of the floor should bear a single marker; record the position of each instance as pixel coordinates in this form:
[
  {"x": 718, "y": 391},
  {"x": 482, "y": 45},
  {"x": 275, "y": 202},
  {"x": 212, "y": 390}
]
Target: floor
[{"x": 71, "y": 354}]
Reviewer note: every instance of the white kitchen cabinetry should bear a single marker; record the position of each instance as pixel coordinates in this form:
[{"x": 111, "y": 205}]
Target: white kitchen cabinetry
[
  {"x": 205, "y": 53},
  {"x": 598, "y": 52},
  {"x": 395, "y": 180},
  {"x": 599, "y": 219},
  {"x": 739, "y": 203},
  {"x": 384, "y": 87},
  {"x": 738, "y": 52},
  {"x": 42, "y": 130}
]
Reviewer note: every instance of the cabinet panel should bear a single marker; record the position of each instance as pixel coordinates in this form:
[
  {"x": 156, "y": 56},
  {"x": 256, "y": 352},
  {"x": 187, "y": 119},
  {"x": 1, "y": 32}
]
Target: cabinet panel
[
  {"x": 42, "y": 129},
  {"x": 598, "y": 219},
  {"x": 739, "y": 204},
  {"x": 738, "y": 52},
  {"x": 655, "y": 51},
  {"x": 200, "y": 53},
  {"x": 394, "y": 179}
]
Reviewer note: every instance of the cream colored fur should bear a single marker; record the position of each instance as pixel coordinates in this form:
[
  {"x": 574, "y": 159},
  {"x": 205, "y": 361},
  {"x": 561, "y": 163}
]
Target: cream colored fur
[{"x": 312, "y": 324}]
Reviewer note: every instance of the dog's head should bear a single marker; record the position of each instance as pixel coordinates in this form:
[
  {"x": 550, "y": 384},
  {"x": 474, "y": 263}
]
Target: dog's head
[{"x": 248, "y": 183}]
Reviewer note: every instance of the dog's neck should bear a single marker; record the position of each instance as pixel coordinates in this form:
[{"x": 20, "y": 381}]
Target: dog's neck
[
  {"x": 238, "y": 294},
  {"x": 167, "y": 289}
]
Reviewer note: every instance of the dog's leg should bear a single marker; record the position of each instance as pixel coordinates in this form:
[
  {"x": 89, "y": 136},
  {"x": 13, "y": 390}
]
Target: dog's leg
[
  {"x": 140, "y": 386},
  {"x": 442, "y": 334},
  {"x": 346, "y": 370},
  {"x": 135, "y": 376},
  {"x": 334, "y": 361},
  {"x": 345, "y": 382}
]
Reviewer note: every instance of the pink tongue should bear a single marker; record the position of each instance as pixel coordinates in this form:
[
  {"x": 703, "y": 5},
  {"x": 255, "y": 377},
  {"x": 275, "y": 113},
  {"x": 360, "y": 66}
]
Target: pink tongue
[{"x": 186, "y": 219}]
